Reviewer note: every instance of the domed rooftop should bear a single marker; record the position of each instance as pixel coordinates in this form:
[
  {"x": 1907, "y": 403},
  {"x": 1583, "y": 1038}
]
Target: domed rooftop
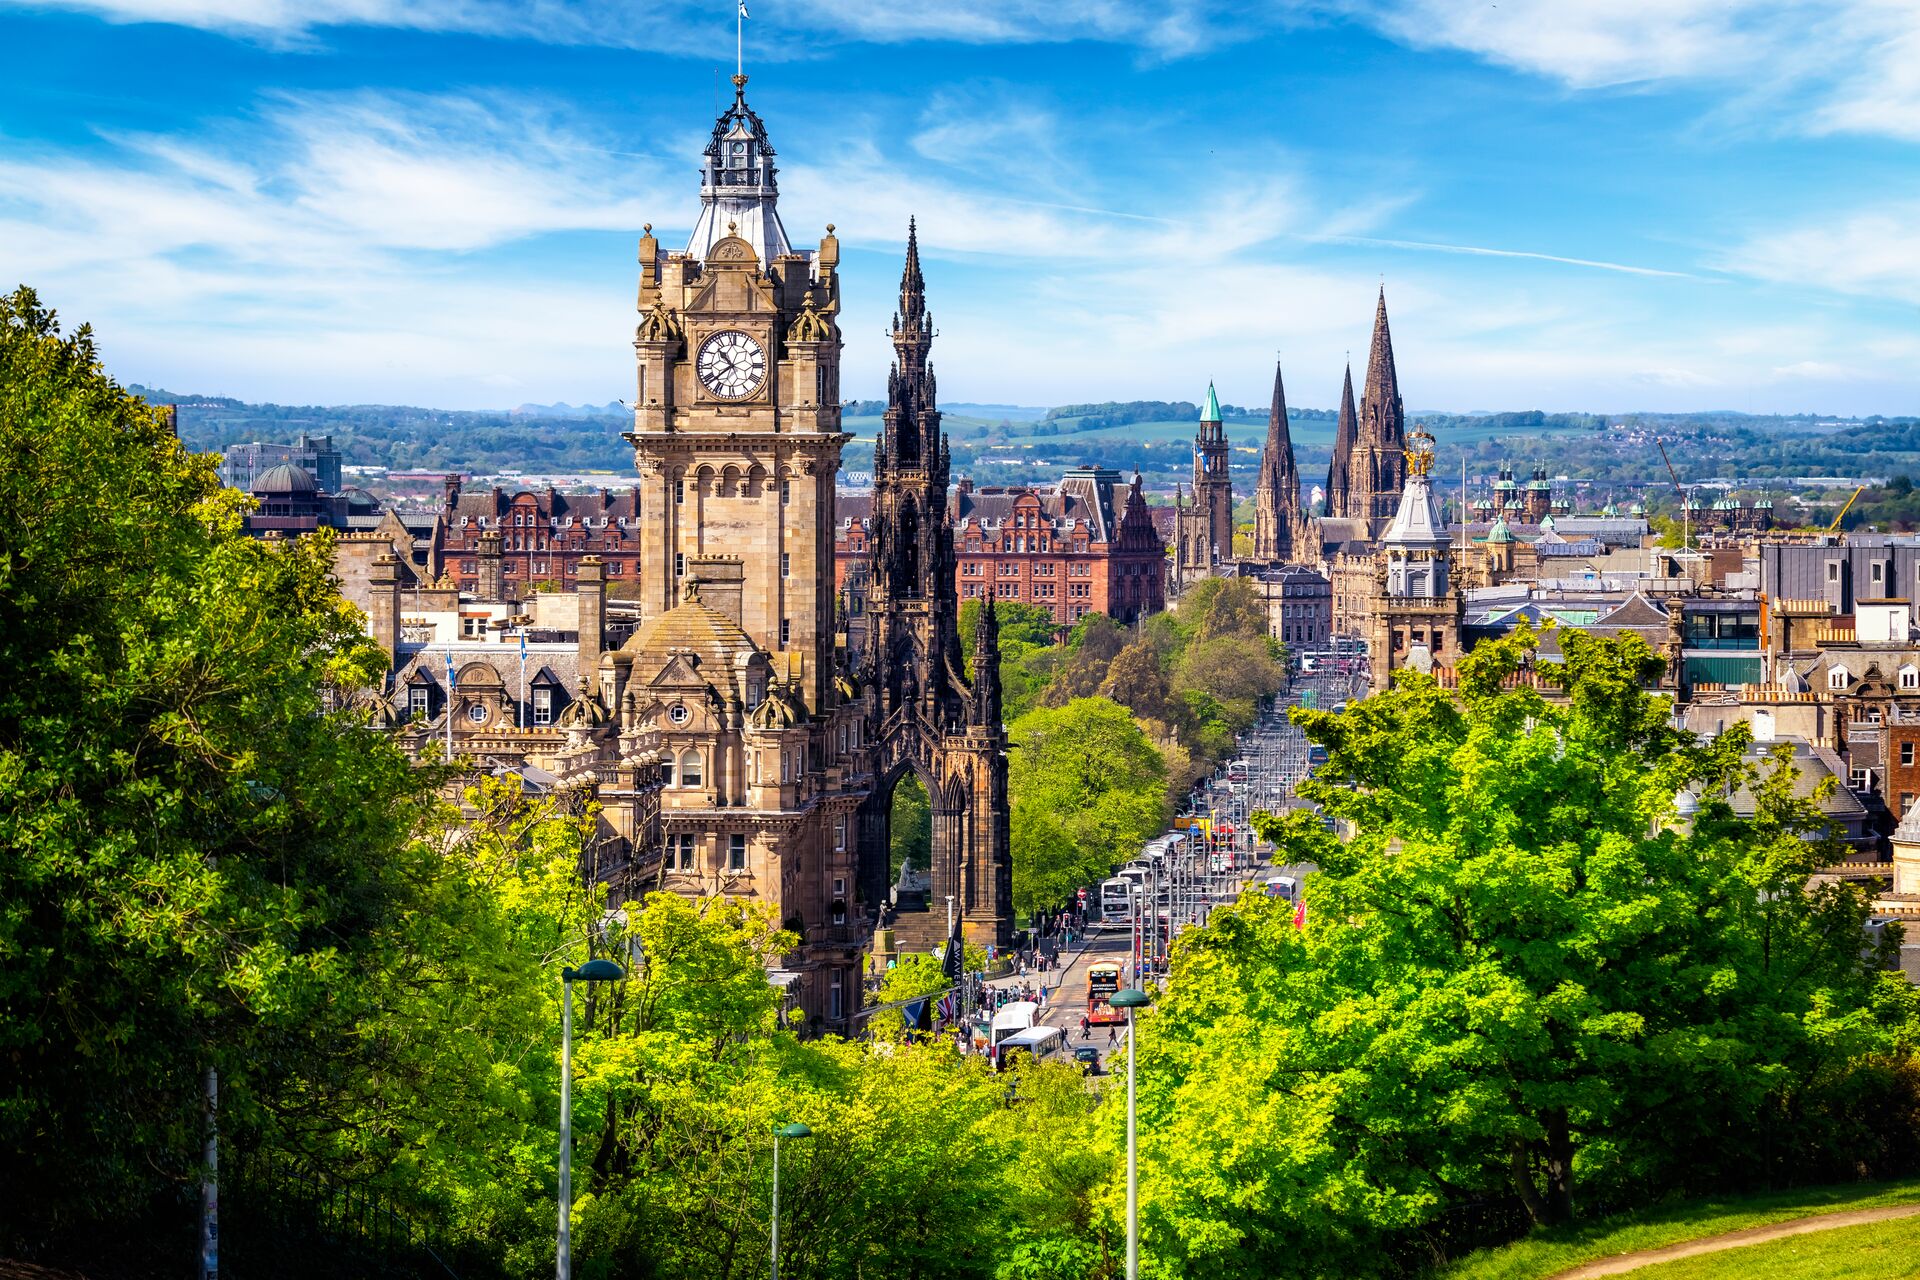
[
  {"x": 285, "y": 478},
  {"x": 693, "y": 627},
  {"x": 1500, "y": 533}
]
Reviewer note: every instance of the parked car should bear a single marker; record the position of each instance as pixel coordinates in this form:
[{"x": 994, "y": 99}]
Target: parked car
[{"x": 1088, "y": 1057}]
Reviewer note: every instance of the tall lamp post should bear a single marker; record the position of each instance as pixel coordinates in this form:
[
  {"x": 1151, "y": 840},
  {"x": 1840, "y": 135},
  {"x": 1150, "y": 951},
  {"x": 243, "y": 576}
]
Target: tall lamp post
[
  {"x": 591, "y": 971},
  {"x": 794, "y": 1130},
  {"x": 1130, "y": 999}
]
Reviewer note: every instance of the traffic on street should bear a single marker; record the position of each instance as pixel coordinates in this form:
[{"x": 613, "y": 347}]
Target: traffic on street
[{"x": 1122, "y": 929}]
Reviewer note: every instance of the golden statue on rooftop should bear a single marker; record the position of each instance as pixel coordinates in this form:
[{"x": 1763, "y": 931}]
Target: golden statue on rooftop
[{"x": 1420, "y": 452}]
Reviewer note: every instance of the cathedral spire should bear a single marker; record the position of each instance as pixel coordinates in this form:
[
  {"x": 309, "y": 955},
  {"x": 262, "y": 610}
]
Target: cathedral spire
[
  {"x": 1340, "y": 469},
  {"x": 1277, "y": 526},
  {"x": 1380, "y": 403}
]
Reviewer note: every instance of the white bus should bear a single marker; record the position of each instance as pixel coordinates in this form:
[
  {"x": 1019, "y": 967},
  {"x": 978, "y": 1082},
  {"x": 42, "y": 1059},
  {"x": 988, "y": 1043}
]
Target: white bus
[
  {"x": 1116, "y": 900},
  {"x": 1010, "y": 1020},
  {"x": 1042, "y": 1044}
]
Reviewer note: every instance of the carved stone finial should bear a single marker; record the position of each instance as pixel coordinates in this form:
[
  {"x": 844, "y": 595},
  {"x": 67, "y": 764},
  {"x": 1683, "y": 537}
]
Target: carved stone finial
[
  {"x": 647, "y": 227},
  {"x": 691, "y": 592},
  {"x": 829, "y": 228},
  {"x": 733, "y": 228}
]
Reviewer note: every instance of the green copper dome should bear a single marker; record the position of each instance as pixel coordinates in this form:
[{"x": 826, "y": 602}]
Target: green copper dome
[{"x": 1500, "y": 533}]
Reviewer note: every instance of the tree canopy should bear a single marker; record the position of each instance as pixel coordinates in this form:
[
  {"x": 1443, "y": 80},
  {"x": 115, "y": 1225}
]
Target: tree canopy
[
  {"x": 1525, "y": 977},
  {"x": 197, "y": 865},
  {"x": 1088, "y": 788}
]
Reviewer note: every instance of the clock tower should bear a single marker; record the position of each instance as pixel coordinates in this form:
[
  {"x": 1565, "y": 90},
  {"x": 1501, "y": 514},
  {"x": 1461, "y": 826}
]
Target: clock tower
[{"x": 736, "y": 418}]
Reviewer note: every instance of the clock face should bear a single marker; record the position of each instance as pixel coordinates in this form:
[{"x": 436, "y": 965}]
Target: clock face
[{"x": 731, "y": 365}]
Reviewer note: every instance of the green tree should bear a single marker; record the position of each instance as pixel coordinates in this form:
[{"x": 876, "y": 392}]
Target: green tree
[
  {"x": 909, "y": 826},
  {"x": 198, "y": 867},
  {"x": 1135, "y": 681},
  {"x": 1095, "y": 642},
  {"x": 1028, "y": 654},
  {"x": 1525, "y": 973},
  {"x": 1087, "y": 788}
]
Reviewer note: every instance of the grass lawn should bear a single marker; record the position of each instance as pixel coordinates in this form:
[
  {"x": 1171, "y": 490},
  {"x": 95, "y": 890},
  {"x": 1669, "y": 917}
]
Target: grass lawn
[
  {"x": 1546, "y": 1252},
  {"x": 1876, "y": 1251}
]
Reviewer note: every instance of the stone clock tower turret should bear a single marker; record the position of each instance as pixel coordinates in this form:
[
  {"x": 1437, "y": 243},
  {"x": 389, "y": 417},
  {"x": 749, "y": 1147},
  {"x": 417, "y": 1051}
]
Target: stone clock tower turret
[{"x": 736, "y": 422}]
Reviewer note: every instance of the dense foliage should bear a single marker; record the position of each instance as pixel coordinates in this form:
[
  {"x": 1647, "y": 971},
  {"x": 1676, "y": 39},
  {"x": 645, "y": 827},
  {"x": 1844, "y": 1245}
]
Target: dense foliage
[
  {"x": 1526, "y": 978},
  {"x": 1110, "y": 727},
  {"x": 197, "y": 867}
]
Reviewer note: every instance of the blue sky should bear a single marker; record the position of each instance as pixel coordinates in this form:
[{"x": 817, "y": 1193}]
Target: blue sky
[{"x": 1574, "y": 204}]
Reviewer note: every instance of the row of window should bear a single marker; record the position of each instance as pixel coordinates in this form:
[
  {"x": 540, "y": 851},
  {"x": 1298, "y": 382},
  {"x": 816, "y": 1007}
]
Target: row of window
[
  {"x": 420, "y": 703},
  {"x": 1022, "y": 545},
  {"x": 1838, "y": 678},
  {"x": 737, "y": 489},
  {"x": 531, "y": 520},
  {"x": 681, "y": 851}
]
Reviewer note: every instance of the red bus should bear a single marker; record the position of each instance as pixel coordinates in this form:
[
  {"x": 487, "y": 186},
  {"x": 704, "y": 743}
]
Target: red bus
[{"x": 1103, "y": 979}]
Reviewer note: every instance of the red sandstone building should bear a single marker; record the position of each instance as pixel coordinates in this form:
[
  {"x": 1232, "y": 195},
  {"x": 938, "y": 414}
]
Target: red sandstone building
[
  {"x": 543, "y": 536},
  {"x": 1086, "y": 546}
]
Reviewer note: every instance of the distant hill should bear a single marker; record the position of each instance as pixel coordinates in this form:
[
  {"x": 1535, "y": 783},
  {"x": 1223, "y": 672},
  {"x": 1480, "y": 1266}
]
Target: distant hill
[
  {"x": 997, "y": 443},
  {"x": 612, "y": 409}
]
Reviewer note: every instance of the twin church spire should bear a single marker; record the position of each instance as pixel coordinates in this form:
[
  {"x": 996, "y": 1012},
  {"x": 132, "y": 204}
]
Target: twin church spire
[{"x": 1369, "y": 467}]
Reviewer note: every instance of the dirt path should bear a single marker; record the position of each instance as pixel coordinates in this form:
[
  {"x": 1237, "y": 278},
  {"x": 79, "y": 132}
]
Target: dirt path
[{"x": 1620, "y": 1264}]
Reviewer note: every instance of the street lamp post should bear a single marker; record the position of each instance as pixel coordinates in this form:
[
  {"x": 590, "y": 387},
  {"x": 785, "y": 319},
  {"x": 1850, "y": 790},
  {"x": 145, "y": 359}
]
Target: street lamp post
[
  {"x": 794, "y": 1130},
  {"x": 1131, "y": 999},
  {"x": 591, "y": 971}
]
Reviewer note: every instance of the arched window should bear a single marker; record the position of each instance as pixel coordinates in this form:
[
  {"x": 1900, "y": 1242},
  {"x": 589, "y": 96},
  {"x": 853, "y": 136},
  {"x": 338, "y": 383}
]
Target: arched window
[{"x": 691, "y": 774}]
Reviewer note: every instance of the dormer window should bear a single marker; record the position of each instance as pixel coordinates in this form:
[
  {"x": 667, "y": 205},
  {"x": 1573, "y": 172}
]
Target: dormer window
[
  {"x": 419, "y": 700},
  {"x": 1910, "y": 678},
  {"x": 1837, "y": 678}
]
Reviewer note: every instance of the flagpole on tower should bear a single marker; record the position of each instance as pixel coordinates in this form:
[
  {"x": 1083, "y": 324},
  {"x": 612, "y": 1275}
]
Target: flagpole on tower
[{"x": 739, "y": 39}]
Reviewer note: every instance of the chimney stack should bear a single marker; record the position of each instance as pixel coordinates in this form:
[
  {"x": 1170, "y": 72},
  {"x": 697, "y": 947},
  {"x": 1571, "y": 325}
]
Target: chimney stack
[
  {"x": 489, "y": 585},
  {"x": 592, "y": 585},
  {"x": 383, "y": 609}
]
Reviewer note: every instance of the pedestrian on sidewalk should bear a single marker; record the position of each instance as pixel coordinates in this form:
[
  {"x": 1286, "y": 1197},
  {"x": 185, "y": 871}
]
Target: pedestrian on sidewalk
[{"x": 1113, "y": 1035}]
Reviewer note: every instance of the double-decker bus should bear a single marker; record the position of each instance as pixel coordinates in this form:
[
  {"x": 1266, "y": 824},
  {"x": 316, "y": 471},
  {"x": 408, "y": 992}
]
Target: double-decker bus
[{"x": 1103, "y": 979}]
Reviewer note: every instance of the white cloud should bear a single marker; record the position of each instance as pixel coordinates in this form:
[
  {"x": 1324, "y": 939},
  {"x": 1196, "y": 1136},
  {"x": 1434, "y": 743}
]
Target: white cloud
[
  {"x": 1588, "y": 43},
  {"x": 1172, "y": 28},
  {"x": 1872, "y": 252},
  {"x": 1818, "y": 66}
]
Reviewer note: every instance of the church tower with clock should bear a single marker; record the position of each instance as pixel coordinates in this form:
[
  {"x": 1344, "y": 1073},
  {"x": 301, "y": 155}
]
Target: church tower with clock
[
  {"x": 736, "y": 422},
  {"x": 777, "y": 763}
]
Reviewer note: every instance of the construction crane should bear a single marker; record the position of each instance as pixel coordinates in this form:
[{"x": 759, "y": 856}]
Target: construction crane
[
  {"x": 1686, "y": 498},
  {"x": 1835, "y": 526}
]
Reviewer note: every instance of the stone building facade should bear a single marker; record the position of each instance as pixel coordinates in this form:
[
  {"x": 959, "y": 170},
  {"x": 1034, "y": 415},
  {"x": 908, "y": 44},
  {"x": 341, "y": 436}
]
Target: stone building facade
[
  {"x": 1299, "y": 604},
  {"x": 1087, "y": 545},
  {"x": 542, "y": 536},
  {"x": 730, "y": 744}
]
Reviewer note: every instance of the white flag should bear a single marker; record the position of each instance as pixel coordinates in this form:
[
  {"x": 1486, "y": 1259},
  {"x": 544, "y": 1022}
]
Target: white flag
[{"x": 743, "y": 9}]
